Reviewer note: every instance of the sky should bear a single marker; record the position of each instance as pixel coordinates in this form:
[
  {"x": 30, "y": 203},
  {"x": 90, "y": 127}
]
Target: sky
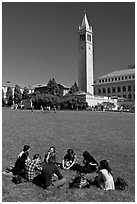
[{"x": 40, "y": 40}]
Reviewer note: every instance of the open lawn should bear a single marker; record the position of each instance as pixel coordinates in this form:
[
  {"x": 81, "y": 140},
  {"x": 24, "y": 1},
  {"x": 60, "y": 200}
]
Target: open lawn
[{"x": 105, "y": 135}]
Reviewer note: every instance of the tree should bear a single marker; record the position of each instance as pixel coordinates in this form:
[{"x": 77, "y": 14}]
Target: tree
[
  {"x": 9, "y": 96},
  {"x": 74, "y": 88},
  {"x": 73, "y": 102},
  {"x": 52, "y": 87},
  {"x": 25, "y": 94},
  {"x": 44, "y": 99},
  {"x": 3, "y": 99},
  {"x": 17, "y": 95}
]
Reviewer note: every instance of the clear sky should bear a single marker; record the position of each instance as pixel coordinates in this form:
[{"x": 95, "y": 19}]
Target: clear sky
[{"x": 40, "y": 40}]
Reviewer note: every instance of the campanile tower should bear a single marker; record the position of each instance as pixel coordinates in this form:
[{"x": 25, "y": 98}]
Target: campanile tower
[{"x": 85, "y": 57}]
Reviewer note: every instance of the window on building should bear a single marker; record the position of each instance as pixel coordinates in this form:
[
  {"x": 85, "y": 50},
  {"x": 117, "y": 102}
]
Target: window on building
[
  {"x": 119, "y": 96},
  {"x": 105, "y": 80},
  {"x": 134, "y": 96},
  {"x": 130, "y": 96},
  {"x": 125, "y": 77},
  {"x": 133, "y": 76},
  {"x": 104, "y": 90},
  {"x": 122, "y": 78},
  {"x": 119, "y": 78},
  {"x": 102, "y": 80},
  {"x": 89, "y": 37},
  {"x": 118, "y": 89},
  {"x": 129, "y": 77},
  {"x": 124, "y": 88},
  {"x": 112, "y": 79},
  {"x": 129, "y": 88},
  {"x": 134, "y": 87},
  {"x": 115, "y": 79},
  {"x": 113, "y": 89},
  {"x": 99, "y": 81},
  {"x": 124, "y": 96},
  {"x": 109, "y": 80},
  {"x": 108, "y": 90},
  {"x": 99, "y": 91}
]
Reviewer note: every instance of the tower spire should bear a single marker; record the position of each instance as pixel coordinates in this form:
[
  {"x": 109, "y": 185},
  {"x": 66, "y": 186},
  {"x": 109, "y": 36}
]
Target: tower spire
[{"x": 85, "y": 23}]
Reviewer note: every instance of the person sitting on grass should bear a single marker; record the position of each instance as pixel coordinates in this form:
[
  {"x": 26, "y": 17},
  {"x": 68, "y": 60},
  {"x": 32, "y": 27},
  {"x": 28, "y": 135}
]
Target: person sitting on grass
[
  {"x": 51, "y": 152},
  {"x": 105, "y": 180},
  {"x": 69, "y": 160},
  {"x": 46, "y": 177},
  {"x": 33, "y": 167},
  {"x": 26, "y": 149},
  {"x": 19, "y": 169},
  {"x": 90, "y": 164}
]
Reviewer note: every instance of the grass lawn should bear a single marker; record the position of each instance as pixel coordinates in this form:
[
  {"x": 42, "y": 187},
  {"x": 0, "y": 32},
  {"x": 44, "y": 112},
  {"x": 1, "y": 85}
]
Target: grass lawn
[{"x": 105, "y": 135}]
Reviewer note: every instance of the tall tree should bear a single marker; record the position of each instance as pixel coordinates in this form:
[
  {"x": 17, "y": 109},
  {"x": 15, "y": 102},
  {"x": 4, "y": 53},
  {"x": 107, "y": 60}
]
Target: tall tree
[
  {"x": 25, "y": 94},
  {"x": 17, "y": 94},
  {"x": 52, "y": 87},
  {"x": 9, "y": 96},
  {"x": 74, "y": 88},
  {"x": 3, "y": 100}
]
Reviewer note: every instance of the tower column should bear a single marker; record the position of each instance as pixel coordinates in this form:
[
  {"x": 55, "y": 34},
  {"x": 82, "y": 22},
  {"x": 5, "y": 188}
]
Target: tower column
[{"x": 85, "y": 57}]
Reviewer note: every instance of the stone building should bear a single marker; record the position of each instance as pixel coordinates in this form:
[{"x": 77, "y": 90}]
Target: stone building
[
  {"x": 118, "y": 83},
  {"x": 6, "y": 85},
  {"x": 42, "y": 88}
]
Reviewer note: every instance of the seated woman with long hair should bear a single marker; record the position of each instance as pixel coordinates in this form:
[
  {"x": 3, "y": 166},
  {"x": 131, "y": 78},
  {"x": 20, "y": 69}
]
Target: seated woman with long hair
[
  {"x": 69, "y": 160},
  {"x": 90, "y": 164},
  {"x": 105, "y": 180}
]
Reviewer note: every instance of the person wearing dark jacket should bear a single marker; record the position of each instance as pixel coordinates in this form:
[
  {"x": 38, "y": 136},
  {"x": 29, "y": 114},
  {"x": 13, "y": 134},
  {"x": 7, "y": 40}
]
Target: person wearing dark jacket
[
  {"x": 48, "y": 171},
  {"x": 90, "y": 164},
  {"x": 19, "y": 169}
]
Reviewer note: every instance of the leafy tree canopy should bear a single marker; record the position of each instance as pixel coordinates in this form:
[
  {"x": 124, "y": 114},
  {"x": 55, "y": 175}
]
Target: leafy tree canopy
[
  {"x": 17, "y": 94},
  {"x": 9, "y": 96},
  {"x": 74, "y": 88},
  {"x": 25, "y": 94},
  {"x": 52, "y": 87}
]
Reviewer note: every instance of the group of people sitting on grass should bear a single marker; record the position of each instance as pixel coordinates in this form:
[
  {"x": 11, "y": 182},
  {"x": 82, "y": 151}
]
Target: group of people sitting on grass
[{"x": 47, "y": 175}]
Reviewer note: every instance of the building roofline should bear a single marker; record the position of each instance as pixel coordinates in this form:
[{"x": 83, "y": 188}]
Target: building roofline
[{"x": 119, "y": 73}]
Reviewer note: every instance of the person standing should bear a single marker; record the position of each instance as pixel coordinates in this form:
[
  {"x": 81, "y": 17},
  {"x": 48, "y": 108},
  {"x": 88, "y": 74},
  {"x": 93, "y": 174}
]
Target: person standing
[
  {"x": 41, "y": 109},
  {"x": 54, "y": 108}
]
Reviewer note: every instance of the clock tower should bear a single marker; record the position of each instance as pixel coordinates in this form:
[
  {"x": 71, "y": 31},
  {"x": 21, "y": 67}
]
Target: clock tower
[{"x": 85, "y": 57}]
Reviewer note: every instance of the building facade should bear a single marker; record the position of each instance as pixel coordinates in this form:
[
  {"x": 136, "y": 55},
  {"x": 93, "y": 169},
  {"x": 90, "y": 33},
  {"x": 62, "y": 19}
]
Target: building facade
[
  {"x": 5, "y": 87},
  {"x": 43, "y": 89},
  {"x": 118, "y": 83},
  {"x": 85, "y": 57}
]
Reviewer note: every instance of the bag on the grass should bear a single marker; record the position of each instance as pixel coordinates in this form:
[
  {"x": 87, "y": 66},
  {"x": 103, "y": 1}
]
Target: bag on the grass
[
  {"x": 79, "y": 182},
  {"x": 120, "y": 184},
  {"x": 17, "y": 179}
]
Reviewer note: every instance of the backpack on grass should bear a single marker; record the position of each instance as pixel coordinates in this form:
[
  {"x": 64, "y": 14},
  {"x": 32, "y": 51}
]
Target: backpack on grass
[
  {"x": 17, "y": 179},
  {"x": 120, "y": 184},
  {"x": 79, "y": 182}
]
